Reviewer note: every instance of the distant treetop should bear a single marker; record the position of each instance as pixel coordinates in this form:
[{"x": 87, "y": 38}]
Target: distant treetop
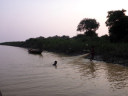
[{"x": 88, "y": 25}]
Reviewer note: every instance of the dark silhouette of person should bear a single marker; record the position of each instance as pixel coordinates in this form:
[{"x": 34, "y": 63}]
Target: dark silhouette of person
[
  {"x": 92, "y": 53},
  {"x": 55, "y": 64}
]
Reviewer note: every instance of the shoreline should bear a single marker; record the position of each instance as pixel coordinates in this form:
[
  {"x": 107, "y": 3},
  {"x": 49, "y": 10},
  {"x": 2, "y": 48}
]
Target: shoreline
[
  {"x": 107, "y": 59},
  {"x": 98, "y": 57},
  {"x": 114, "y": 60}
]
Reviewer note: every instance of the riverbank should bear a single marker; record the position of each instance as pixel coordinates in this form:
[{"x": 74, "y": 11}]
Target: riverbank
[
  {"x": 98, "y": 57},
  {"x": 104, "y": 49},
  {"x": 110, "y": 59}
]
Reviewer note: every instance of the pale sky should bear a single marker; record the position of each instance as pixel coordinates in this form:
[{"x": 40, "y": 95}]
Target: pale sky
[{"x": 23, "y": 19}]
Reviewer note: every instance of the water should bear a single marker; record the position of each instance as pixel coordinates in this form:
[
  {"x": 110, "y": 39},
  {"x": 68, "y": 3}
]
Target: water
[{"x": 23, "y": 74}]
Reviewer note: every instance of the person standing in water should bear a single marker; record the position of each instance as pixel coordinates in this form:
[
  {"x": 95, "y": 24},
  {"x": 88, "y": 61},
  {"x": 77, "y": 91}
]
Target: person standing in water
[{"x": 92, "y": 53}]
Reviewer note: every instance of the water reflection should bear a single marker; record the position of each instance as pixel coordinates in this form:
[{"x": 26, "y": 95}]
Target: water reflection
[
  {"x": 113, "y": 74},
  {"x": 87, "y": 70},
  {"x": 92, "y": 69},
  {"x": 40, "y": 55},
  {"x": 117, "y": 76},
  {"x": 55, "y": 66}
]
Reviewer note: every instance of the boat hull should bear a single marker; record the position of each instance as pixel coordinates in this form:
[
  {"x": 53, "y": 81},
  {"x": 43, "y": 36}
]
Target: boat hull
[{"x": 35, "y": 51}]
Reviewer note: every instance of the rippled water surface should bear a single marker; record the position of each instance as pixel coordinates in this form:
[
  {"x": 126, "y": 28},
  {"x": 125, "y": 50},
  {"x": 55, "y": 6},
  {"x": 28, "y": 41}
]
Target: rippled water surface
[{"x": 23, "y": 74}]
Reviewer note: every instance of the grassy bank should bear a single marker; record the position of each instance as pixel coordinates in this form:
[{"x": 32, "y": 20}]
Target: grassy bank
[{"x": 109, "y": 52}]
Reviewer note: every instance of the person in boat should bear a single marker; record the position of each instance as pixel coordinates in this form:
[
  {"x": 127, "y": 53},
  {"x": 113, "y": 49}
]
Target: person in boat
[{"x": 92, "y": 53}]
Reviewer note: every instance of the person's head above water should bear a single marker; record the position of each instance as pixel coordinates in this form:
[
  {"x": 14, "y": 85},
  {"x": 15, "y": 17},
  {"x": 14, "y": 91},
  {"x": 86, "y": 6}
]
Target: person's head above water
[{"x": 55, "y": 62}]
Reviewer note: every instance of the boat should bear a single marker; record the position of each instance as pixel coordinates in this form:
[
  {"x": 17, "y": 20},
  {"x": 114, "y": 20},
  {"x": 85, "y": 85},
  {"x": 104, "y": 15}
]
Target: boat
[{"x": 35, "y": 51}]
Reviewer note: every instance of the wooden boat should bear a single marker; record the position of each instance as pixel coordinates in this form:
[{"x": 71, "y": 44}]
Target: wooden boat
[{"x": 35, "y": 51}]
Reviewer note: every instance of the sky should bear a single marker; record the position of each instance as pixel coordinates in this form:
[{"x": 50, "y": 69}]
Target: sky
[{"x": 24, "y": 19}]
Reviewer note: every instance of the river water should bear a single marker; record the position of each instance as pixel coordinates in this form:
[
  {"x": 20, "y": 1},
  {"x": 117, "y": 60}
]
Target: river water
[{"x": 24, "y": 74}]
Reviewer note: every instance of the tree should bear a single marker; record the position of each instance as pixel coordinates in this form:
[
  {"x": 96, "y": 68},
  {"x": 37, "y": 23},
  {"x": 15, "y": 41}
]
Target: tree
[
  {"x": 89, "y": 26},
  {"x": 114, "y": 16},
  {"x": 117, "y": 23}
]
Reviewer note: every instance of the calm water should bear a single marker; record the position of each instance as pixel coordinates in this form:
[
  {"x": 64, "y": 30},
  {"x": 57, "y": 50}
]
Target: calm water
[{"x": 23, "y": 74}]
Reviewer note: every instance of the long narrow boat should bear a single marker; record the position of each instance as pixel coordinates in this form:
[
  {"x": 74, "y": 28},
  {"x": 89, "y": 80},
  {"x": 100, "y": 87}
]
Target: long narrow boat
[{"x": 35, "y": 51}]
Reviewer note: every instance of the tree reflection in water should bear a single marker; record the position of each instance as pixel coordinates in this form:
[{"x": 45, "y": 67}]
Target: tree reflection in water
[
  {"x": 86, "y": 69},
  {"x": 112, "y": 75},
  {"x": 117, "y": 76}
]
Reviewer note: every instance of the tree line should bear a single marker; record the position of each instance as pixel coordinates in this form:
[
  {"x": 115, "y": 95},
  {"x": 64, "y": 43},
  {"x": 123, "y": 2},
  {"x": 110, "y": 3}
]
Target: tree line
[{"x": 117, "y": 23}]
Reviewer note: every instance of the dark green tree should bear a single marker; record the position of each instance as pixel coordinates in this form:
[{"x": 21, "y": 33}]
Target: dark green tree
[
  {"x": 88, "y": 26},
  {"x": 114, "y": 16},
  {"x": 117, "y": 23}
]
